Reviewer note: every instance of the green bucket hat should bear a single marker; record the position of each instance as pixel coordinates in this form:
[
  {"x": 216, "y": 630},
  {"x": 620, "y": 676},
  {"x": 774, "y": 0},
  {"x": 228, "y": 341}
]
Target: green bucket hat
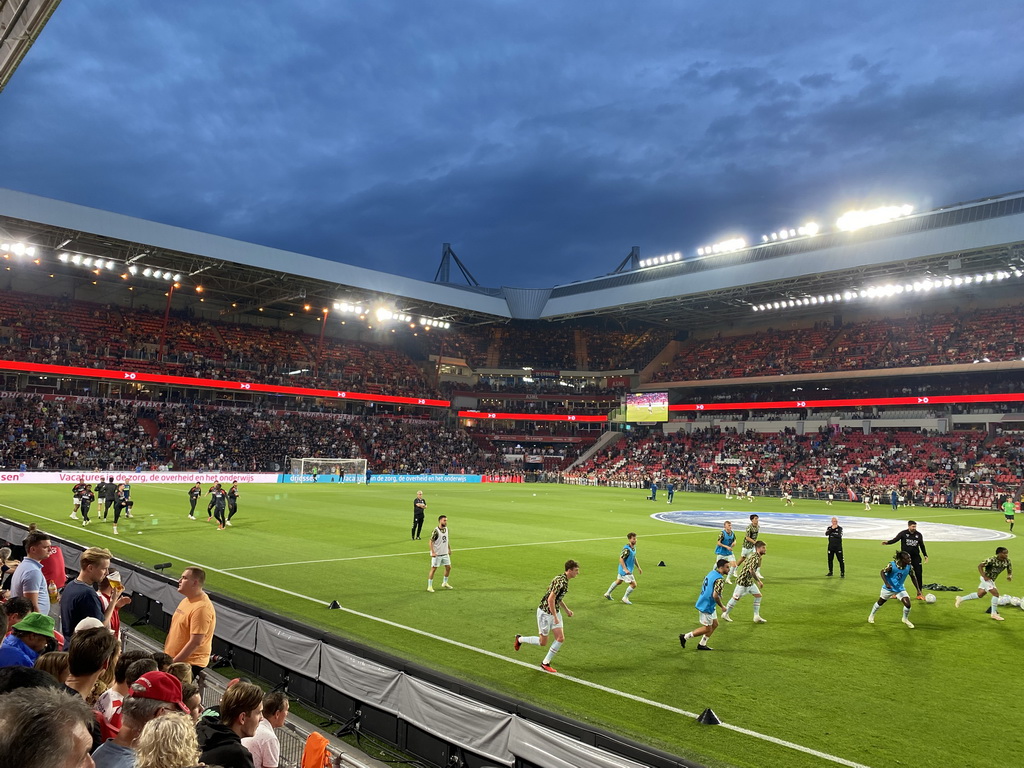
[{"x": 37, "y": 624}]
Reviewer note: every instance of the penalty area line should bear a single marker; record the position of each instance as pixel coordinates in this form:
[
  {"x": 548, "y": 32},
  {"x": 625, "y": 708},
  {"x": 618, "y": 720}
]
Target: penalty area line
[{"x": 466, "y": 646}]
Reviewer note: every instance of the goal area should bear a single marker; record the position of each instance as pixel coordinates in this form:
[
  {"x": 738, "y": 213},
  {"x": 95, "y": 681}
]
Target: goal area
[{"x": 331, "y": 470}]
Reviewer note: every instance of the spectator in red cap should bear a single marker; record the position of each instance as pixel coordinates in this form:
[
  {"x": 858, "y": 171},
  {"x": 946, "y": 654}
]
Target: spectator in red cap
[{"x": 152, "y": 695}]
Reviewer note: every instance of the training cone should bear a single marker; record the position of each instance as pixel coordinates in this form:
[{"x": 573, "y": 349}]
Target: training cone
[
  {"x": 334, "y": 606},
  {"x": 661, "y": 564},
  {"x": 707, "y": 717}
]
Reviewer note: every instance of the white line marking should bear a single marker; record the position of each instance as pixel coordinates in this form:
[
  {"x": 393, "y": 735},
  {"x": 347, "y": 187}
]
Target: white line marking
[
  {"x": 461, "y": 549},
  {"x": 474, "y": 649}
]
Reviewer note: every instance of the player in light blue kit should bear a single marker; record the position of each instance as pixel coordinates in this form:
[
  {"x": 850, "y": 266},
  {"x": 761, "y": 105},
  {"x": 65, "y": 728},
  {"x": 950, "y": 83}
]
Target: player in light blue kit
[
  {"x": 724, "y": 549},
  {"x": 710, "y": 596},
  {"x": 893, "y": 577},
  {"x": 627, "y": 566}
]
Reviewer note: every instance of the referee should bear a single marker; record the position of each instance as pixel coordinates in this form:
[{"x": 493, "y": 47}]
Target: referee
[{"x": 912, "y": 541}]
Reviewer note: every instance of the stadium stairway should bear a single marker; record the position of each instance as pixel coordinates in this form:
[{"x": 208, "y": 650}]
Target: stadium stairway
[{"x": 600, "y": 444}]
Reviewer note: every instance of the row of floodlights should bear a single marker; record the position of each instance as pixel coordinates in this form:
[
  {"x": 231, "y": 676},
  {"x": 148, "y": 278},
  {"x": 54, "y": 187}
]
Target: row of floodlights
[
  {"x": 18, "y": 249},
  {"x": 848, "y": 222},
  {"x": 94, "y": 262},
  {"x": 666, "y": 259},
  {"x": 889, "y": 289},
  {"x": 349, "y": 309},
  {"x": 430, "y": 322},
  {"x": 726, "y": 246},
  {"x": 807, "y": 230}
]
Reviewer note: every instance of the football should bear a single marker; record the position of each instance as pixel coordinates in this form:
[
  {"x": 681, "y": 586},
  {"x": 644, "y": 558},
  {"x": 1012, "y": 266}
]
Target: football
[{"x": 930, "y": 598}]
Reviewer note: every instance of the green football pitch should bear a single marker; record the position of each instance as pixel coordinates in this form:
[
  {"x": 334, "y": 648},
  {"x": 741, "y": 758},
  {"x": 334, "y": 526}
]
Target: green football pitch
[{"x": 816, "y": 676}]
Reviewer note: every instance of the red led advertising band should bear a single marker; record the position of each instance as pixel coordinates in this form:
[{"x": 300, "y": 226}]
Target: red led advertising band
[
  {"x": 530, "y": 416},
  {"x": 791, "y": 404},
  {"x": 188, "y": 381}
]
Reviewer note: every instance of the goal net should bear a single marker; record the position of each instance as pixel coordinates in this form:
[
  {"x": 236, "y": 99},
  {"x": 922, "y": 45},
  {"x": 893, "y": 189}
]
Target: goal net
[{"x": 331, "y": 470}]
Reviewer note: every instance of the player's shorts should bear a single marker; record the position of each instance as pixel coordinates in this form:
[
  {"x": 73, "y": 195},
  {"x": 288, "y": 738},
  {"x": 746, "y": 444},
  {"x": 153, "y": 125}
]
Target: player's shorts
[
  {"x": 746, "y": 552},
  {"x": 546, "y": 622},
  {"x": 740, "y": 591},
  {"x": 707, "y": 619},
  {"x": 629, "y": 578},
  {"x": 887, "y": 594},
  {"x": 1008, "y": 517},
  {"x": 987, "y": 584},
  {"x": 831, "y": 497},
  {"x": 77, "y": 501},
  {"x": 439, "y": 560},
  {"x": 728, "y": 556}
]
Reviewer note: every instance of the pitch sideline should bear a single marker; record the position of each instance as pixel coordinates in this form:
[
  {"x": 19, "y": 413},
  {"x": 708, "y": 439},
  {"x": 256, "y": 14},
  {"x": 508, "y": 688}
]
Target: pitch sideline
[{"x": 466, "y": 646}]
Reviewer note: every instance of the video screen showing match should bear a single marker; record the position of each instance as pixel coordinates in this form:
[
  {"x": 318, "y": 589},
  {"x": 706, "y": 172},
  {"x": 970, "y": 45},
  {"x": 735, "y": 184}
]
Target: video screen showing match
[{"x": 647, "y": 406}]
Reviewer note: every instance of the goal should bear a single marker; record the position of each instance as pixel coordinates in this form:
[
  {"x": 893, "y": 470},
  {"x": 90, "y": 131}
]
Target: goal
[{"x": 331, "y": 470}]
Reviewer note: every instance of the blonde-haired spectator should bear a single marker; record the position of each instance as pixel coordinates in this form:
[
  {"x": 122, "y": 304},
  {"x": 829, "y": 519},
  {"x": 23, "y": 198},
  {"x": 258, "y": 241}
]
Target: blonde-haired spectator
[{"x": 167, "y": 742}]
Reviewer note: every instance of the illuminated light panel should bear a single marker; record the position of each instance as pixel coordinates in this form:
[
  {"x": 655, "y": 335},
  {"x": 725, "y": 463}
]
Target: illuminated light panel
[
  {"x": 1016, "y": 397},
  {"x": 532, "y": 416},
  {"x": 190, "y": 381},
  {"x": 854, "y": 220}
]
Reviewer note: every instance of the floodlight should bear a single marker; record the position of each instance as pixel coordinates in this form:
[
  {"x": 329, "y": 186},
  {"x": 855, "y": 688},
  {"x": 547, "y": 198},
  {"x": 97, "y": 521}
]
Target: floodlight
[
  {"x": 18, "y": 249},
  {"x": 958, "y": 281},
  {"x": 754, "y": 308},
  {"x": 383, "y": 313},
  {"x": 63, "y": 257},
  {"x": 947, "y": 282},
  {"x": 133, "y": 269},
  {"x": 147, "y": 272},
  {"x": 76, "y": 259},
  {"x": 87, "y": 261},
  {"x": 830, "y": 298},
  {"x": 989, "y": 277},
  {"x": 776, "y": 305}
]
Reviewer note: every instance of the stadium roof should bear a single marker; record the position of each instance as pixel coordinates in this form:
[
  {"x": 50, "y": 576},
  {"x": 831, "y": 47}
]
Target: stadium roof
[
  {"x": 21, "y": 21},
  {"x": 977, "y": 237}
]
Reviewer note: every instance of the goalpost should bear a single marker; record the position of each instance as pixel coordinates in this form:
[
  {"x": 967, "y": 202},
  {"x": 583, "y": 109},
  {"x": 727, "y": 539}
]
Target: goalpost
[{"x": 331, "y": 470}]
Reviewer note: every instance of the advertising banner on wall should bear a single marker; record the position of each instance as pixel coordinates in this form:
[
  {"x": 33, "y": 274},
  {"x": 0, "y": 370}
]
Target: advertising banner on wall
[{"x": 71, "y": 477}]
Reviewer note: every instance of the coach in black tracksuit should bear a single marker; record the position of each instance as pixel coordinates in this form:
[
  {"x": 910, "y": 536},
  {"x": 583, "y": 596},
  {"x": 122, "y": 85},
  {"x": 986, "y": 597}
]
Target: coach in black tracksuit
[
  {"x": 835, "y": 547},
  {"x": 419, "y": 507},
  {"x": 912, "y": 541}
]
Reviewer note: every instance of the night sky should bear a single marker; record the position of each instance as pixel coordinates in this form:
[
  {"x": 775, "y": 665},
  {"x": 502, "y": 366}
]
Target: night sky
[{"x": 541, "y": 139}]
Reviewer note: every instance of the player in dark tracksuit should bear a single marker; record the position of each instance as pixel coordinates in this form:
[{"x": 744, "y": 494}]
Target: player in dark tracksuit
[
  {"x": 194, "y": 494},
  {"x": 109, "y": 496},
  {"x": 912, "y": 541},
  {"x": 219, "y": 499},
  {"x": 232, "y": 501},
  {"x": 129, "y": 503},
  {"x": 87, "y": 497}
]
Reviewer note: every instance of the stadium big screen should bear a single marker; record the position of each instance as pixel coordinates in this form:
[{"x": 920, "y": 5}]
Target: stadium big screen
[{"x": 647, "y": 406}]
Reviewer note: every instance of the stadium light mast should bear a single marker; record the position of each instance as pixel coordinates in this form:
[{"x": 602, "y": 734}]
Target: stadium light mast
[
  {"x": 444, "y": 269},
  {"x": 632, "y": 261}
]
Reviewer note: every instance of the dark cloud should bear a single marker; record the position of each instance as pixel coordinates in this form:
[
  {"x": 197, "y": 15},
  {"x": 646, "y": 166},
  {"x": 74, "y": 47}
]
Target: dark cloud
[{"x": 541, "y": 140}]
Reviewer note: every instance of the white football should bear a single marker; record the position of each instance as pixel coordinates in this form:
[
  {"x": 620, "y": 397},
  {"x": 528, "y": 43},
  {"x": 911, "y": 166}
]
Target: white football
[
  {"x": 930, "y": 598},
  {"x": 1015, "y": 602}
]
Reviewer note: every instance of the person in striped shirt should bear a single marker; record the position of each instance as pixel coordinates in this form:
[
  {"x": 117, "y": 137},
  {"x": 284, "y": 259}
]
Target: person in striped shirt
[
  {"x": 989, "y": 570},
  {"x": 747, "y": 583}
]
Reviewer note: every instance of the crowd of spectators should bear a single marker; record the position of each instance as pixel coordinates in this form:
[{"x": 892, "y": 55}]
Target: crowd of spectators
[
  {"x": 984, "y": 335},
  {"x": 102, "y": 434},
  {"x": 71, "y": 695},
  {"x": 68, "y": 332},
  {"x": 963, "y": 467}
]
